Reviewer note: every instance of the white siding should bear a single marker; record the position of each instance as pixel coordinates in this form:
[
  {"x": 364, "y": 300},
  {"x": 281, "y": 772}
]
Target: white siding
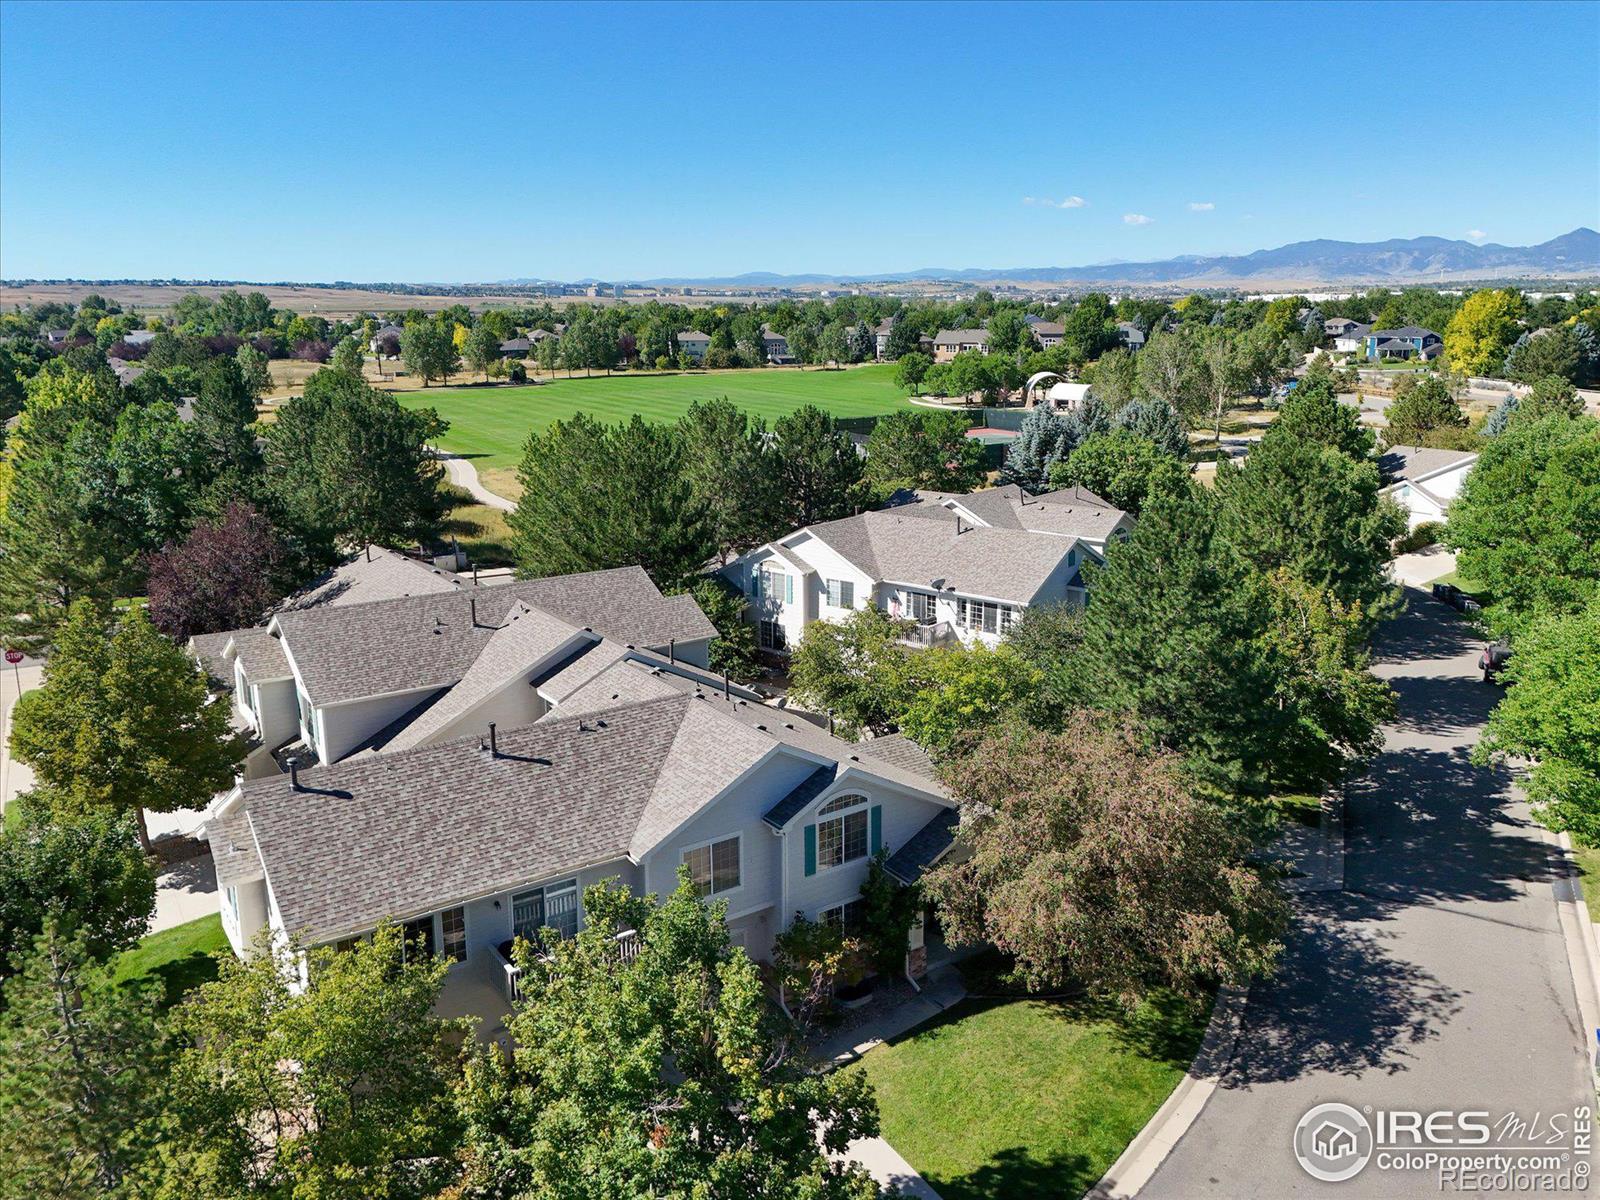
[
  {"x": 903, "y": 815},
  {"x": 343, "y": 727},
  {"x": 277, "y": 717},
  {"x": 739, "y": 812}
]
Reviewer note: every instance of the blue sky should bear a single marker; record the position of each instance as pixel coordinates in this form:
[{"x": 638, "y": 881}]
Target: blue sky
[{"x": 472, "y": 142}]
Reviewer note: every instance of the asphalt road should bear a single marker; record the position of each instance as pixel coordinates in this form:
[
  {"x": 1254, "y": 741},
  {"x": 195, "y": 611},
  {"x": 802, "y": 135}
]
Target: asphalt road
[{"x": 1438, "y": 979}]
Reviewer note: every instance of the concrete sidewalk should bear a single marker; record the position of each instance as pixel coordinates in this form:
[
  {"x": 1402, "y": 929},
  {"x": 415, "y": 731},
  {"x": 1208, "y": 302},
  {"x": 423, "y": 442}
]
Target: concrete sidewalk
[
  {"x": 463, "y": 474},
  {"x": 940, "y": 990}
]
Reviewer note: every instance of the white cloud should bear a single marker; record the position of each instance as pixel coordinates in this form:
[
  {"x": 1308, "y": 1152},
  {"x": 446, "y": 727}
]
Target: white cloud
[
  {"x": 1137, "y": 219},
  {"x": 1201, "y": 206},
  {"x": 1476, "y": 235},
  {"x": 1046, "y": 202}
]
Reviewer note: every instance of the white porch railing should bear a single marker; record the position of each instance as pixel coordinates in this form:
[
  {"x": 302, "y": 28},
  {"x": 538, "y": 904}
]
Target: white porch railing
[
  {"x": 628, "y": 947},
  {"x": 940, "y": 633}
]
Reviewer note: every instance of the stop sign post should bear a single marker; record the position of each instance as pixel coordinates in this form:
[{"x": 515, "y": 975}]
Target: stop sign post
[{"x": 14, "y": 656}]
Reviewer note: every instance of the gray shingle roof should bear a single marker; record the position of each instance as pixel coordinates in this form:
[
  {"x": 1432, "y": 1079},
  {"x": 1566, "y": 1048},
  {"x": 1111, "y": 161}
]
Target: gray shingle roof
[
  {"x": 527, "y": 637},
  {"x": 261, "y": 653},
  {"x": 693, "y": 335},
  {"x": 429, "y": 641},
  {"x": 924, "y": 847},
  {"x": 1406, "y": 464},
  {"x": 812, "y": 786},
  {"x": 956, "y": 337},
  {"x": 207, "y": 648},
  {"x": 375, "y": 574},
  {"x": 1004, "y": 564},
  {"x": 633, "y": 681},
  {"x": 902, "y": 752},
  {"x": 392, "y": 835},
  {"x": 233, "y": 849},
  {"x": 1066, "y": 512}
]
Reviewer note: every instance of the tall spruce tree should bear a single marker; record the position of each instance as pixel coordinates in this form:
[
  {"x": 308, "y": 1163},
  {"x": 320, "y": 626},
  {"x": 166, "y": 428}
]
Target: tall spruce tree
[{"x": 1046, "y": 437}]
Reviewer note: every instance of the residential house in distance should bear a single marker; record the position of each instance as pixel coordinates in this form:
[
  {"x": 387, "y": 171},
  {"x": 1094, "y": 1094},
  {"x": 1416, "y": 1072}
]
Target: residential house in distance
[
  {"x": 694, "y": 343},
  {"x": 1424, "y": 481},
  {"x": 880, "y": 338},
  {"x": 493, "y": 832},
  {"x": 776, "y": 346},
  {"x": 57, "y": 337},
  {"x": 391, "y": 652},
  {"x": 948, "y": 343},
  {"x": 1047, "y": 333},
  {"x": 1132, "y": 336},
  {"x": 139, "y": 337},
  {"x": 1351, "y": 340},
  {"x": 1335, "y": 326},
  {"x": 517, "y": 347},
  {"x": 1409, "y": 341},
  {"x": 383, "y": 336},
  {"x": 962, "y": 567}
]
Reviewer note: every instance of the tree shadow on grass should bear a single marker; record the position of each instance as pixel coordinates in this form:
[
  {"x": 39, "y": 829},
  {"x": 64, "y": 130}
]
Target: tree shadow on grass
[
  {"x": 1016, "y": 1172},
  {"x": 175, "y": 978}
]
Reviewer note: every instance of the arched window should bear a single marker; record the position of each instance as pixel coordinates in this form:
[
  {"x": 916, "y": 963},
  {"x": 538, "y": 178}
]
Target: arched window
[{"x": 842, "y": 831}]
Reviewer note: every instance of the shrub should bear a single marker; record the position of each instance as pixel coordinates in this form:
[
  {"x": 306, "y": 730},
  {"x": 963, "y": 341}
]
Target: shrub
[{"x": 1425, "y": 534}]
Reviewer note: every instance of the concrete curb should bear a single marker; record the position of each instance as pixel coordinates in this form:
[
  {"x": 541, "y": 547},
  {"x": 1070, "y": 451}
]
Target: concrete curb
[
  {"x": 1583, "y": 949},
  {"x": 1138, "y": 1163}
]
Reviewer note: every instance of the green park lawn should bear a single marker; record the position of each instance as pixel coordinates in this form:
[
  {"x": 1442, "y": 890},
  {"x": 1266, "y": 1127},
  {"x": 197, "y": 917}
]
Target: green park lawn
[
  {"x": 177, "y": 959},
  {"x": 492, "y": 423},
  {"x": 1025, "y": 1097}
]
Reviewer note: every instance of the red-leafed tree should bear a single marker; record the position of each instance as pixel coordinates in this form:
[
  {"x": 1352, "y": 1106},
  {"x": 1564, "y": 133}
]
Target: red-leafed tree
[{"x": 225, "y": 575}]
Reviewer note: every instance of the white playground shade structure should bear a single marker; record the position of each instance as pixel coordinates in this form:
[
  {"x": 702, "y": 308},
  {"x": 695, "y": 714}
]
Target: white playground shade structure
[{"x": 1060, "y": 394}]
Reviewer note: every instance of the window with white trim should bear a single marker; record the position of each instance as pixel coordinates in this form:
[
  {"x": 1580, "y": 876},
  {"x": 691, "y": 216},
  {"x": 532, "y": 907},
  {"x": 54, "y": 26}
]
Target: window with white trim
[
  {"x": 920, "y": 607},
  {"x": 553, "y": 907},
  {"x": 842, "y": 834},
  {"x": 846, "y": 917},
  {"x": 986, "y": 615},
  {"x": 841, "y": 593},
  {"x": 773, "y": 636},
  {"x": 714, "y": 867},
  {"x": 775, "y": 584},
  {"x": 453, "y": 933}
]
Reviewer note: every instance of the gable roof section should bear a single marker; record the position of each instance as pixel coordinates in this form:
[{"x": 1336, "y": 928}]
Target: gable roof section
[
  {"x": 375, "y": 574},
  {"x": 207, "y": 649},
  {"x": 958, "y": 337},
  {"x": 621, "y": 603},
  {"x": 261, "y": 653},
  {"x": 446, "y": 823},
  {"x": 792, "y": 805},
  {"x": 1004, "y": 564},
  {"x": 527, "y": 638},
  {"x": 925, "y": 847},
  {"x": 346, "y": 652},
  {"x": 1411, "y": 464}
]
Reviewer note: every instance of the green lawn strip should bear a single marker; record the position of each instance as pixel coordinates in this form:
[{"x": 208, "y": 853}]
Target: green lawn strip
[
  {"x": 178, "y": 959},
  {"x": 492, "y": 423},
  {"x": 1028, "y": 1097},
  {"x": 1471, "y": 587},
  {"x": 1588, "y": 859}
]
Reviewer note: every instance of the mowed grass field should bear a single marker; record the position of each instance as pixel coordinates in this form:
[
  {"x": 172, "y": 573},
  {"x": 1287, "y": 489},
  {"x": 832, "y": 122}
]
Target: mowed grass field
[{"x": 493, "y": 423}]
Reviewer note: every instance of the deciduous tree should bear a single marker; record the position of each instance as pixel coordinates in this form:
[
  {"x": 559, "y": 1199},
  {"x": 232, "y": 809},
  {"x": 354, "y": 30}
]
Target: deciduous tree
[
  {"x": 923, "y": 450},
  {"x": 661, "y": 1075},
  {"x": 225, "y": 575},
  {"x": 1121, "y": 467},
  {"x": 123, "y": 720},
  {"x": 818, "y": 471},
  {"x": 1094, "y": 862},
  {"x": 857, "y": 669},
  {"x": 1482, "y": 331}
]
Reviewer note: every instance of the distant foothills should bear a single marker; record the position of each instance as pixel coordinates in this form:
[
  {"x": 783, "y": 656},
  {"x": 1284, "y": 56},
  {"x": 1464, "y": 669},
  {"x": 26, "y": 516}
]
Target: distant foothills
[{"x": 1323, "y": 262}]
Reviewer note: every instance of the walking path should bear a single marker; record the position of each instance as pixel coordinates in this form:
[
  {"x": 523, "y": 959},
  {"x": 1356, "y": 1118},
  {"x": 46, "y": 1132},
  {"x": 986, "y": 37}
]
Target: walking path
[
  {"x": 463, "y": 474},
  {"x": 1451, "y": 973},
  {"x": 15, "y": 777}
]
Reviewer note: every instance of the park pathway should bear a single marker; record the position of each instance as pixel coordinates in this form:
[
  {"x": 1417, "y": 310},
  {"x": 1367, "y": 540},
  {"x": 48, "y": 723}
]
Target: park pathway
[{"x": 463, "y": 474}]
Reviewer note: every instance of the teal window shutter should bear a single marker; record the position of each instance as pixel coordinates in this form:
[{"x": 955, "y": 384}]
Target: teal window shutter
[
  {"x": 811, "y": 849},
  {"x": 877, "y": 828},
  {"x": 788, "y": 589}
]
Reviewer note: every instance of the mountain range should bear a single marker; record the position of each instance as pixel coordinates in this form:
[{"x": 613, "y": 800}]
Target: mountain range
[{"x": 1420, "y": 259}]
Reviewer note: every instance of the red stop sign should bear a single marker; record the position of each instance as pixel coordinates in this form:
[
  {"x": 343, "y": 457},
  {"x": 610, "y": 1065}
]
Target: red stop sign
[{"x": 13, "y": 657}]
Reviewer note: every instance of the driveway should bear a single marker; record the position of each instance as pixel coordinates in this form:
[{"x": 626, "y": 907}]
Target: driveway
[{"x": 1439, "y": 979}]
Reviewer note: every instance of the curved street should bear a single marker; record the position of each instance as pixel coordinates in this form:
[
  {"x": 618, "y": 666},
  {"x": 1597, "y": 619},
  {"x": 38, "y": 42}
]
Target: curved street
[{"x": 1438, "y": 979}]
